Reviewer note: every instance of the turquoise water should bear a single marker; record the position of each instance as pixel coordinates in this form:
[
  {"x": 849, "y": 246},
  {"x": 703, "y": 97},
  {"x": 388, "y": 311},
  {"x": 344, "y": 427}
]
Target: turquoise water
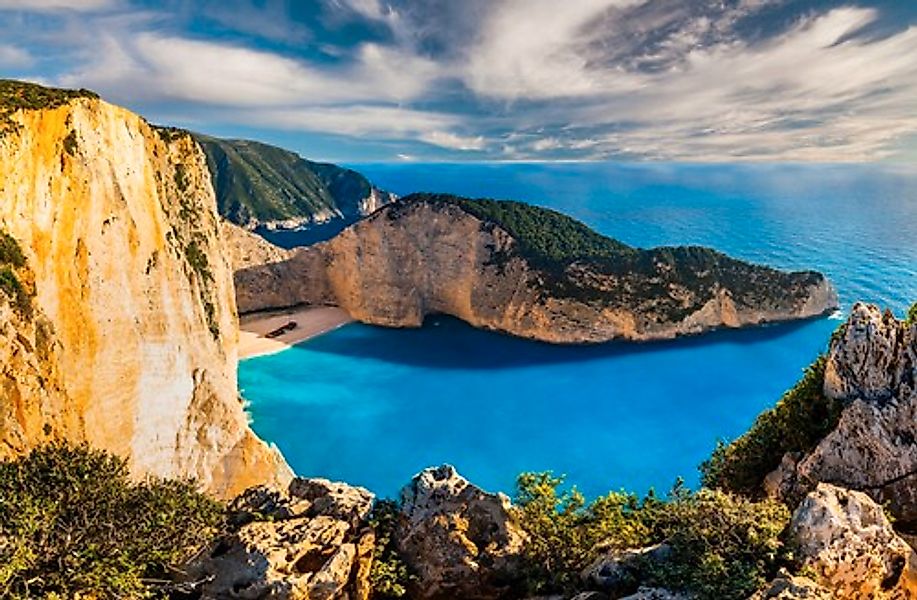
[{"x": 373, "y": 406}]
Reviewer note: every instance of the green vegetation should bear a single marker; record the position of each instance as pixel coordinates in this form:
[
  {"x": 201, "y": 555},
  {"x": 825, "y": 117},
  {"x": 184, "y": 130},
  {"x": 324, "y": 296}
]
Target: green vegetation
[
  {"x": 16, "y": 95},
  {"x": 12, "y": 259},
  {"x": 258, "y": 182},
  {"x": 70, "y": 143},
  {"x": 73, "y": 524},
  {"x": 911, "y": 317},
  {"x": 181, "y": 181},
  {"x": 718, "y": 545},
  {"x": 802, "y": 417},
  {"x": 547, "y": 237},
  {"x": 198, "y": 261},
  {"x": 389, "y": 576},
  {"x": 10, "y": 252}
]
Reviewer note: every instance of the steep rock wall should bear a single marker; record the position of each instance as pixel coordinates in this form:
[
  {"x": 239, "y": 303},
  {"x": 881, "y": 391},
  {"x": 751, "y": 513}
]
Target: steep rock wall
[{"x": 118, "y": 223}]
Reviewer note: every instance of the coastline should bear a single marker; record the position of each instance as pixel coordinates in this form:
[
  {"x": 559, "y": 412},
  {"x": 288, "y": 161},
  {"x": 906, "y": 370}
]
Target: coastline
[{"x": 310, "y": 322}]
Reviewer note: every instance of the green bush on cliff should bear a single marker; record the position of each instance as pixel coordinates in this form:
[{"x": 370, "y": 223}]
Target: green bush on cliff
[
  {"x": 73, "y": 523},
  {"x": 721, "y": 546},
  {"x": 802, "y": 417},
  {"x": 16, "y": 95},
  {"x": 389, "y": 576},
  {"x": 10, "y": 252},
  {"x": 911, "y": 317}
]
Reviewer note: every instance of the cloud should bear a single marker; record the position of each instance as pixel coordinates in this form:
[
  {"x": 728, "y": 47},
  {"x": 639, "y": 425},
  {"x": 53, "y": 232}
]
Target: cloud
[
  {"x": 594, "y": 79},
  {"x": 14, "y": 57},
  {"x": 57, "y": 5}
]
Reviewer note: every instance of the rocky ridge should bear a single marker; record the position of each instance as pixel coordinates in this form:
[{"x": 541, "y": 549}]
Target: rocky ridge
[{"x": 425, "y": 255}]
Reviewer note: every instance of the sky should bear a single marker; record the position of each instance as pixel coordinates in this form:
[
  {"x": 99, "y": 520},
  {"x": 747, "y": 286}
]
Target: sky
[{"x": 496, "y": 80}]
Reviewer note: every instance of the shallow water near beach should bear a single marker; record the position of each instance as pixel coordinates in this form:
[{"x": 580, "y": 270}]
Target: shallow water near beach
[{"x": 373, "y": 406}]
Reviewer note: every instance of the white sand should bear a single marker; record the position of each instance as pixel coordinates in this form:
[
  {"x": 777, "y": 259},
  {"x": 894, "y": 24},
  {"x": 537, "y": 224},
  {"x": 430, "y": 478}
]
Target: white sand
[{"x": 310, "y": 322}]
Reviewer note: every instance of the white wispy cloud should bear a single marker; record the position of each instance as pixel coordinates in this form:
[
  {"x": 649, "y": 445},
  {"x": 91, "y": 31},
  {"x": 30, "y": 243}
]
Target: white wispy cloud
[
  {"x": 592, "y": 79},
  {"x": 55, "y": 5}
]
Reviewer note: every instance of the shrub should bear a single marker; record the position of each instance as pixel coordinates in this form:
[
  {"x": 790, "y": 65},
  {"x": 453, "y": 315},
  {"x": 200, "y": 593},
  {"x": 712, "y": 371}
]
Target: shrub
[
  {"x": 911, "y": 317},
  {"x": 72, "y": 523},
  {"x": 563, "y": 530},
  {"x": 722, "y": 546},
  {"x": 198, "y": 261},
  {"x": 10, "y": 252},
  {"x": 70, "y": 143},
  {"x": 802, "y": 417},
  {"x": 14, "y": 290},
  {"x": 389, "y": 576}
]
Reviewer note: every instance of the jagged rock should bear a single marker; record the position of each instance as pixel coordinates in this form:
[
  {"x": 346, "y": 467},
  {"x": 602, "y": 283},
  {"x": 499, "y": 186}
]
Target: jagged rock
[
  {"x": 646, "y": 593},
  {"x": 460, "y": 541},
  {"x": 845, "y": 539},
  {"x": 590, "y": 596},
  {"x": 311, "y": 542},
  {"x": 617, "y": 572},
  {"x": 789, "y": 587},
  {"x": 872, "y": 368}
]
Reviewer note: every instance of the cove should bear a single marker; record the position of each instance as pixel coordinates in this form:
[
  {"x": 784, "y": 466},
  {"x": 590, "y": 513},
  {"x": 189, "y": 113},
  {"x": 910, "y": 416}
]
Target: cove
[{"x": 373, "y": 406}]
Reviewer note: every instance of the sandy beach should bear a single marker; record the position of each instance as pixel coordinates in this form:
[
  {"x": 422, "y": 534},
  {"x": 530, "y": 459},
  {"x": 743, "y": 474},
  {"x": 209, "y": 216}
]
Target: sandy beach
[{"x": 310, "y": 322}]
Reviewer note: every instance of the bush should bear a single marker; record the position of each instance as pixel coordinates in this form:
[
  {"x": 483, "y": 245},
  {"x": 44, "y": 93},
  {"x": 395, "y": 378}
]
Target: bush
[
  {"x": 563, "y": 530},
  {"x": 722, "y": 546},
  {"x": 14, "y": 290},
  {"x": 72, "y": 523},
  {"x": 197, "y": 258},
  {"x": 10, "y": 252},
  {"x": 911, "y": 317},
  {"x": 389, "y": 576},
  {"x": 802, "y": 417}
]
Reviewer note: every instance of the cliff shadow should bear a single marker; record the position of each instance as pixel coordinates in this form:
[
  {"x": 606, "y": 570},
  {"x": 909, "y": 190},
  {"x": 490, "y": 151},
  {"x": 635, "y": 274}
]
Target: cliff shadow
[{"x": 448, "y": 343}]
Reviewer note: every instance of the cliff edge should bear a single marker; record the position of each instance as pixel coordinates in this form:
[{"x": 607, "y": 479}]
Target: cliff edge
[
  {"x": 129, "y": 339},
  {"x": 527, "y": 271}
]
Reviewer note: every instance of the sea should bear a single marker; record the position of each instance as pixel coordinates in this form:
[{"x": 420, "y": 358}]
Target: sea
[{"x": 373, "y": 406}]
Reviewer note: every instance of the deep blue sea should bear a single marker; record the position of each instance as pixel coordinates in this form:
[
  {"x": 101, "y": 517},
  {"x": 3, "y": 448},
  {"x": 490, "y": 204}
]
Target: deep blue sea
[{"x": 373, "y": 406}]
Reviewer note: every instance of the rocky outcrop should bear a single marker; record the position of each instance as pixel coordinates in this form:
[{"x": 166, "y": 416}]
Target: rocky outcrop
[
  {"x": 133, "y": 343},
  {"x": 844, "y": 538},
  {"x": 459, "y": 541},
  {"x": 430, "y": 254},
  {"x": 619, "y": 572},
  {"x": 871, "y": 369},
  {"x": 311, "y": 542}
]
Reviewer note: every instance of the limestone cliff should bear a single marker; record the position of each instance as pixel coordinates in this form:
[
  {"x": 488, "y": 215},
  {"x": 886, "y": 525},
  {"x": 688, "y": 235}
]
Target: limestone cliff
[
  {"x": 872, "y": 371},
  {"x": 132, "y": 342},
  {"x": 526, "y": 271}
]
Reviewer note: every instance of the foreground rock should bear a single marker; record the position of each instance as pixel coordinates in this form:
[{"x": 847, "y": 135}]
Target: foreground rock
[
  {"x": 555, "y": 280},
  {"x": 309, "y": 543},
  {"x": 872, "y": 370},
  {"x": 618, "y": 572},
  {"x": 460, "y": 541},
  {"x": 844, "y": 538},
  {"x": 789, "y": 587}
]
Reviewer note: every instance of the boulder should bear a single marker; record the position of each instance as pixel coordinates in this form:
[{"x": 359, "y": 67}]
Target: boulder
[
  {"x": 872, "y": 370},
  {"x": 310, "y": 542},
  {"x": 459, "y": 541},
  {"x": 789, "y": 587},
  {"x": 617, "y": 572},
  {"x": 845, "y": 540}
]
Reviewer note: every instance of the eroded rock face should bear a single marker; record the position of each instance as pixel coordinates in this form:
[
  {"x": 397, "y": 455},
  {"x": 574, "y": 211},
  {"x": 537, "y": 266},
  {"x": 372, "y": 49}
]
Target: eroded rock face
[
  {"x": 415, "y": 257},
  {"x": 872, "y": 368},
  {"x": 844, "y": 538},
  {"x": 118, "y": 223},
  {"x": 618, "y": 572},
  {"x": 460, "y": 541},
  {"x": 311, "y": 542}
]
